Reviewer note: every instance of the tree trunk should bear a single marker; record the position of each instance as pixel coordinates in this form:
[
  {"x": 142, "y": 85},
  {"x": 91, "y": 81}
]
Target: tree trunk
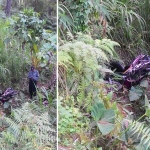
[{"x": 8, "y": 7}]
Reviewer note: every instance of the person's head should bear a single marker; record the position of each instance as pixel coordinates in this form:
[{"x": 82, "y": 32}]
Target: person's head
[{"x": 32, "y": 68}]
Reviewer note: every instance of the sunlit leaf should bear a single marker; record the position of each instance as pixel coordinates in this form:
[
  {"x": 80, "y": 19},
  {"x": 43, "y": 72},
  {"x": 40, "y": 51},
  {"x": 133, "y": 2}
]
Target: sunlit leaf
[
  {"x": 147, "y": 112},
  {"x": 97, "y": 111},
  {"x": 35, "y": 48}
]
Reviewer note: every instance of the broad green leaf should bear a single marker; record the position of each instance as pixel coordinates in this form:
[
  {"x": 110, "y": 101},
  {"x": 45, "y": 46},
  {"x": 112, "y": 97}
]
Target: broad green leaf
[
  {"x": 105, "y": 127},
  {"x": 97, "y": 111},
  {"x": 109, "y": 116},
  {"x": 144, "y": 83},
  {"x": 135, "y": 94},
  {"x": 106, "y": 123}
]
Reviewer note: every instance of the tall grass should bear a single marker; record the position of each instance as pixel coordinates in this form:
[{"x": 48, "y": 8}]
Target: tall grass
[{"x": 13, "y": 61}]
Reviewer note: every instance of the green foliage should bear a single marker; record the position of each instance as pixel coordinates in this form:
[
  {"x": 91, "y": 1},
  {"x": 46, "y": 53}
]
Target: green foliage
[
  {"x": 81, "y": 18},
  {"x": 65, "y": 21},
  {"x": 126, "y": 24},
  {"x": 29, "y": 30},
  {"x": 85, "y": 12},
  {"x": 105, "y": 118},
  {"x": 144, "y": 83},
  {"x": 47, "y": 51},
  {"x": 135, "y": 93},
  {"x": 83, "y": 58},
  {"x": 81, "y": 68},
  {"x": 71, "y": 121},
  {"x": 82, "y": 65},
  {"x": 138, "y": 96},
  {"x": 123, "y": 21},
  {"x": 14, "y": 66},
  {"x": 25, "y": 132},
  {"x": 107, "y": 45},
  {"x": 46, "y": 94},
  {"x": 147, "y": 113},
  {"x": 13, "y": 62},
  {"x": 137, "y": 133},
  {"x": 30, "y": 126},
  {"x": 28, "y": 27}
]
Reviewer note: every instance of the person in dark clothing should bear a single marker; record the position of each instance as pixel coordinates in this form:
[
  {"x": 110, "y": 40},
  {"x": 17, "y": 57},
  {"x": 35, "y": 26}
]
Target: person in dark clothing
[{"x": 33, "y": 76}]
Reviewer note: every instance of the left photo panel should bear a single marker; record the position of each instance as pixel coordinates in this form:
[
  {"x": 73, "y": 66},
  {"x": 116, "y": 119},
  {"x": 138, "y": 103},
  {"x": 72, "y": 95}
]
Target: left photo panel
[{"x": 28, "y": 75}]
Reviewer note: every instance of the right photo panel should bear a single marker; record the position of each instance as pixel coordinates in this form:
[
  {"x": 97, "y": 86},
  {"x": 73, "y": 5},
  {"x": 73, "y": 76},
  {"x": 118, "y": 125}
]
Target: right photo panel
[
  {"x": 103, "y": 75},
  {"x": 28, "y": 74}
]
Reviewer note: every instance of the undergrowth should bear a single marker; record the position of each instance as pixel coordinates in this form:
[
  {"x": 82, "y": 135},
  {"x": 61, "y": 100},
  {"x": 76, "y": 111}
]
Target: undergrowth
[{"x": 90, "y": 117}]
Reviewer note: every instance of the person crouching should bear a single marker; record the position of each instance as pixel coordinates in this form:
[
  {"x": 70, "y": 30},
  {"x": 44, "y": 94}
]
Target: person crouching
[{"x": 33, "y": 76}]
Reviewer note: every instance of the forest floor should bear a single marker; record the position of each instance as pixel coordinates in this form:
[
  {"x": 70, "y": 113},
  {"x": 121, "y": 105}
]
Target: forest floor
[{"x": 23, "y": 94}]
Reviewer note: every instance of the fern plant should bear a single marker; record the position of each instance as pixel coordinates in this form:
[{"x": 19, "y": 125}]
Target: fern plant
[
  {"x": 136, "y": 133},
  {"x": 28, "y": 128},
  {"x": 82, "y": 59}
]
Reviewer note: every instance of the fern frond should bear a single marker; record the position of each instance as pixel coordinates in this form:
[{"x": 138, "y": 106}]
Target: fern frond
[
  {"x": 81, "y": 58},
  {"x": 138, "y": 131},
  {"x": 28, "y": 128},
  {"x": 87, "y": 39},
  {"x": 107, "y": 45},
  {"x": 64, "y": 59}
]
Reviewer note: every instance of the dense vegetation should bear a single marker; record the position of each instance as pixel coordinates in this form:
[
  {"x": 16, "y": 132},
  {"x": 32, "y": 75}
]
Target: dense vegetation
[
  {"x": 91, "y": 33},
  {"x": 28, "y": 37}
]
